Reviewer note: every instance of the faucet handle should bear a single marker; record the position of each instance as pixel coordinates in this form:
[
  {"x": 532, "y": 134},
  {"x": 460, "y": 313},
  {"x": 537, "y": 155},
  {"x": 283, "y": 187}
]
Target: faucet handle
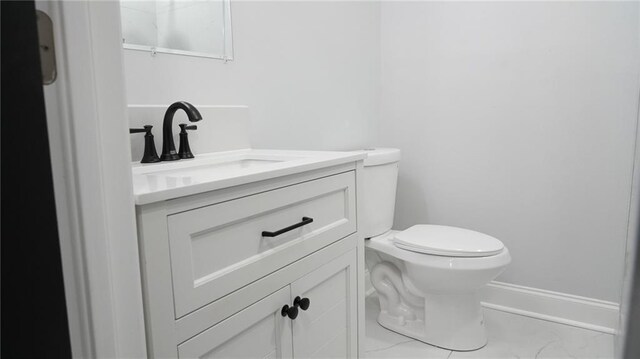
[
  {"x": 150, "y": 154},
  {"x": 184, "y": 127},
  {"x": 137, "y": 130},
  {"x": 146, "y": 128},
  {"x": 185, "y": 149}
]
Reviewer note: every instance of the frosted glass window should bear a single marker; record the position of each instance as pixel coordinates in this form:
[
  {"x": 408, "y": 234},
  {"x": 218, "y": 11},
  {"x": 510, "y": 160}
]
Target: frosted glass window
[{"x": 195, "y": 28}]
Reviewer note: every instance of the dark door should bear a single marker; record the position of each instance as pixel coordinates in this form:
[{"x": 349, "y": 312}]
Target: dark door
[{"x": 34, "y": 315}]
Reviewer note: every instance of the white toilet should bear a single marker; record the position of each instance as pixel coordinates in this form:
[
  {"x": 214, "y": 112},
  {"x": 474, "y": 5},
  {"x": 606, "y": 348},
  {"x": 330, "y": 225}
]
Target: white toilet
[{"x": 427, "y": 277}]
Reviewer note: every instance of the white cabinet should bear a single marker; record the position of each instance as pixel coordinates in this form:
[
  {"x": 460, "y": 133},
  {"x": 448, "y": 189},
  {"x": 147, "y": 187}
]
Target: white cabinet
[
  {"x": 259, "y": 331},
  {"x": 325, "y": 329},
  {"x": 215, "y": 281}
]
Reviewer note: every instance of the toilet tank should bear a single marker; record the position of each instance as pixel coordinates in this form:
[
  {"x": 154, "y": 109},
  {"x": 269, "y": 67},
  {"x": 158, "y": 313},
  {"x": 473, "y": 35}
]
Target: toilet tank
[{"x": 380, "y": 180}]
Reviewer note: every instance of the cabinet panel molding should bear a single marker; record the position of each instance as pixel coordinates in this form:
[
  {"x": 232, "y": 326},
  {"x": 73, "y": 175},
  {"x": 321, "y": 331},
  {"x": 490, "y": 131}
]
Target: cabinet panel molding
[
  {"x": 217, "y": 249},
  {"x": 329, "y": 325},
  {"x": 258, "y": 331}
]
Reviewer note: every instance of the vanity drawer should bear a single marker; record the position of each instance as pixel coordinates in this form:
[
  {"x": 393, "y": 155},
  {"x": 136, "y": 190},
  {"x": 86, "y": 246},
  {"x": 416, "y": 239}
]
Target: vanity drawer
[{"x": 219, "y": 248}]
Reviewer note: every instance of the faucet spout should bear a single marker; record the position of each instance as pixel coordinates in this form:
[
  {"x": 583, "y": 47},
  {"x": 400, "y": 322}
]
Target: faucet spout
[{"x": 168, "y": 146}]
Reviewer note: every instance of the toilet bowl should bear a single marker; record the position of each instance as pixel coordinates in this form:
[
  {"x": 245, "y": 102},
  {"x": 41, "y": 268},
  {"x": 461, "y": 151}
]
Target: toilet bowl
[{"x": 427, "y": 277}]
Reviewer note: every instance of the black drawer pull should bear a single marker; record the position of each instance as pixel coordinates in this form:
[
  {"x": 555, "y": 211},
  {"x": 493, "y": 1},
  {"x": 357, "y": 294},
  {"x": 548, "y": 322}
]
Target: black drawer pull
[{"x": 305, "y": 221}]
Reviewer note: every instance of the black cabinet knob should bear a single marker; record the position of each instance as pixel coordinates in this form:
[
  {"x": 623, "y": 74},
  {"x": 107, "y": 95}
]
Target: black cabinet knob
[
  {"x": 303, "y": 303},
  {"x": 291, "y": 312}
]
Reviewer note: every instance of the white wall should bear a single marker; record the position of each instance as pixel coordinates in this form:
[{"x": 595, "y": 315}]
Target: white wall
[
  {"x": 308, "y": 71},
  {"x": 518, "y": 120}
]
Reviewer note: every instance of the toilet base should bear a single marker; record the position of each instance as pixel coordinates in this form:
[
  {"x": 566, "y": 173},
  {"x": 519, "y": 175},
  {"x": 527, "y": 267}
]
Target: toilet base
[{"x": 450, "y": 321}]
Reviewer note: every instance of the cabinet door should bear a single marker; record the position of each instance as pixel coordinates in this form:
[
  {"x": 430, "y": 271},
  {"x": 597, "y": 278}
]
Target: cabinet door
[
  {"x": 328, "y": 328},
  {"x": 258, "y": 331}
]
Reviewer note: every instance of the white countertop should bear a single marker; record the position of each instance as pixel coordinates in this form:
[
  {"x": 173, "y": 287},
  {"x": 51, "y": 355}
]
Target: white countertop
[{"x": 161, "y": 181}]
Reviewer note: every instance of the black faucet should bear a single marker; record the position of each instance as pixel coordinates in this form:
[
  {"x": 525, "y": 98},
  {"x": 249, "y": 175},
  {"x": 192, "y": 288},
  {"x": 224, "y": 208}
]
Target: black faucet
[{"x": 168, "y": 146}]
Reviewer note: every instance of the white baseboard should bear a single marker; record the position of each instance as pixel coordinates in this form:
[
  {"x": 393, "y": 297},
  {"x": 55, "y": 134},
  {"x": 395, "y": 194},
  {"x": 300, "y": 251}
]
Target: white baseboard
[
  {"x": 582, "y": 312},
  {"x": 557, "y": 307}
]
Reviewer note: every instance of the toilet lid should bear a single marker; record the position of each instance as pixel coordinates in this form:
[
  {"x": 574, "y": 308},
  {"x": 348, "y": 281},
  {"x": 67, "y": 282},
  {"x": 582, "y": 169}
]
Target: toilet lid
[{"x": 447, "y": 241}]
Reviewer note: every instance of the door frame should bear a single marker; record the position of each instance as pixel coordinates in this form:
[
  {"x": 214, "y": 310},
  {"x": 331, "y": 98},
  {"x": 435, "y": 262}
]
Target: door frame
[{"x": 90, "y": 151}]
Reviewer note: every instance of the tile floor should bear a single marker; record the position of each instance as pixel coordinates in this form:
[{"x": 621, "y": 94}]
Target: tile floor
[{"x": 510, "y": 336}]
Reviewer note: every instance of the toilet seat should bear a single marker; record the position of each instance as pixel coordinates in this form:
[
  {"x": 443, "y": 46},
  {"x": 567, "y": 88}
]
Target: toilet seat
[{"x": 447, "y": 241}]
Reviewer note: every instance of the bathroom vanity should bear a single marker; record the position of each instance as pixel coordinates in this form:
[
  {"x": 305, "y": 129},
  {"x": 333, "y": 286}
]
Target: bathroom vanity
[{"x": 251, "y": 253}]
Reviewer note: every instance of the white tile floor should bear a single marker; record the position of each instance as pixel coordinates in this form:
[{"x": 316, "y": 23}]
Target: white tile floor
[{"x": 510, "y": 336}]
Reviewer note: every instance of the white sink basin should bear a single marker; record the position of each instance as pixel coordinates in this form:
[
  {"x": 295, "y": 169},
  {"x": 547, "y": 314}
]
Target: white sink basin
[
  {"x": 208, "y": 169},
  {"x": 209, "y": 166},
  {"x": 166, "y": 180}
]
